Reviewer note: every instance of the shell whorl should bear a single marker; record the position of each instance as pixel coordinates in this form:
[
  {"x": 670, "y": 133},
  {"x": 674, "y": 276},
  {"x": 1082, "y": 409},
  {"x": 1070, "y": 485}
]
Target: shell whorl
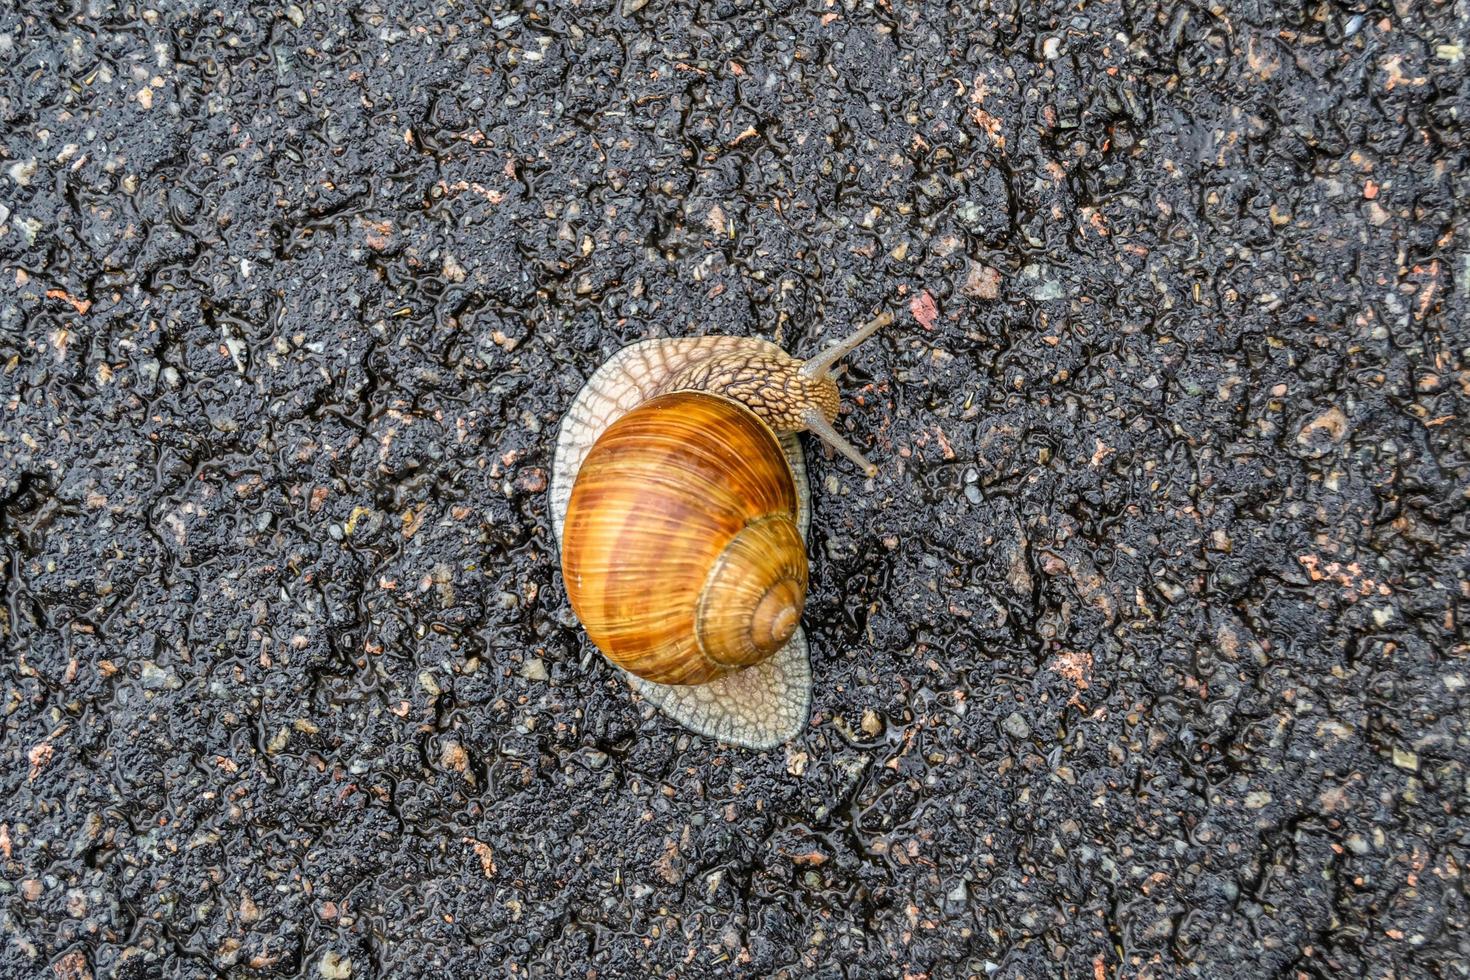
[
  {"x": 751, "y": 603},
  {"x": 681, "y": 551}
]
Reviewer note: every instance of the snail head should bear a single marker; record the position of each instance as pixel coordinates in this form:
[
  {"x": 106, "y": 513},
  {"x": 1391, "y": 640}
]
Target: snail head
[
  {"x": 787, "y": 394},
  {"x": 820, "y": 412}
]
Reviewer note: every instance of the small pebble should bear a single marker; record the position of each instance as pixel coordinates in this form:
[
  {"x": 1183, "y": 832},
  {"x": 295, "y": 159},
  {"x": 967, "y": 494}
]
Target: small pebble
[
  {"x": 334, "y": 966},
  {"x": 1016, "y": 726}
]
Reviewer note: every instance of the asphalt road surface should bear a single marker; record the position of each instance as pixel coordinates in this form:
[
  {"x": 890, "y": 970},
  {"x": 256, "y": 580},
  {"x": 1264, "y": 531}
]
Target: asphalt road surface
[{"x": 1145, "y": 654}]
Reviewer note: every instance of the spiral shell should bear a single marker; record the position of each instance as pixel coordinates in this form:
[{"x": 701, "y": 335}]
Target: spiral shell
[{"x": 681, "y": 548}]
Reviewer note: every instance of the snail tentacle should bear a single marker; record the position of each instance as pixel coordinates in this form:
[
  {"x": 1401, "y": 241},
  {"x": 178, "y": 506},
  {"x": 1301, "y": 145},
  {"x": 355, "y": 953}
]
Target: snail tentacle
[
  {"x": 818, "y": 425},
  {"x": 821, "y": 365}
]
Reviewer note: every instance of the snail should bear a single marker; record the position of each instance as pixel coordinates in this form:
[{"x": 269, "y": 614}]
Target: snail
[{"x": 680, "y": 506}]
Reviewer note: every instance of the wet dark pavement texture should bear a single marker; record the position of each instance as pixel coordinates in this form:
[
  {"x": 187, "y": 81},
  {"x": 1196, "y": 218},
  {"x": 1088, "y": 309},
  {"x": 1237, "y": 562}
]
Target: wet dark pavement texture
[{"x": 1144, "y": 655}]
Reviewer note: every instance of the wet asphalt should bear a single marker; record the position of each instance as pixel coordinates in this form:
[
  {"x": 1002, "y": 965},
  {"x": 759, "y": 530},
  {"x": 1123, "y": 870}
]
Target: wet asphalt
[{"x": 1145, "y": 655}]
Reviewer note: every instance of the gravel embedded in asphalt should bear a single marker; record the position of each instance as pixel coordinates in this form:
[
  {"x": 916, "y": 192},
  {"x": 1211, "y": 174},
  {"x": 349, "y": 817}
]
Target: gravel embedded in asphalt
[{"x": 1144, "y": 655}]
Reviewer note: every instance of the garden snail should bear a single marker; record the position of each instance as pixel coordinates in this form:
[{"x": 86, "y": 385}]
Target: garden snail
[{"x": 680, "y": 504}]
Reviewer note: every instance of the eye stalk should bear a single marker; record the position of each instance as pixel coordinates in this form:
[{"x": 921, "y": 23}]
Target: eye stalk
[{"x": 821, "y": 365}]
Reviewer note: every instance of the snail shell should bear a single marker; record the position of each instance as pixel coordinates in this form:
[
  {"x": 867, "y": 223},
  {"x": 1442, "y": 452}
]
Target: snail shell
[
  {"x": 680, "y": 503},
  {"x": 680, "y": 550}
]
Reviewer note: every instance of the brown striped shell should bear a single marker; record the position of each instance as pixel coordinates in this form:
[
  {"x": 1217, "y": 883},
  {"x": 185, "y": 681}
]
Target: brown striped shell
[{"x": 680, "y": 544}]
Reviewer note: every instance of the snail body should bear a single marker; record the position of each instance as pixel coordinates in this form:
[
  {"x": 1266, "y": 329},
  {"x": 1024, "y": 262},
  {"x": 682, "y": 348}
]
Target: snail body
[{"x": 680, "y": 503}]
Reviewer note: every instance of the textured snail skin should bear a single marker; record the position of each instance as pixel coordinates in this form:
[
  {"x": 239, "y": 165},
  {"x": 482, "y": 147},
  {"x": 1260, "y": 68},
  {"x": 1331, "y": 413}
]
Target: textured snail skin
[
  {"x": 768, "y": 383},
  {"x": 759, "y": 707},
  {"x": 680, "y": 550}
]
